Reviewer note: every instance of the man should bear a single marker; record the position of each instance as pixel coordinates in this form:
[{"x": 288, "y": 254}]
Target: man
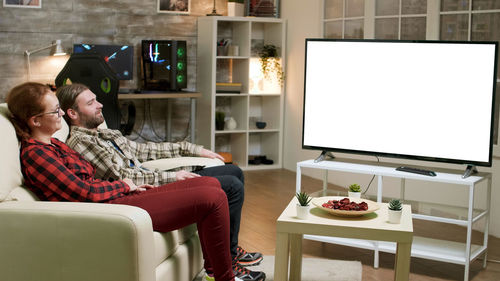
[{"x": 116, "y": 157}]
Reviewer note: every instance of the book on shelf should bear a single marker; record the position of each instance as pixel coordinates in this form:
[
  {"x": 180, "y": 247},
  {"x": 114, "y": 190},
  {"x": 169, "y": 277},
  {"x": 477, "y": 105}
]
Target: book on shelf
[{"x": 227, "y": 87}]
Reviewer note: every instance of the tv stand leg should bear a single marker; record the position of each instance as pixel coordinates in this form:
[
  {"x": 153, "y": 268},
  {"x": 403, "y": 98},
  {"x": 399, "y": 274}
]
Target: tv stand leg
[
  {"x": 325, "y": 155},
  {"x": 471, "y": 169}
]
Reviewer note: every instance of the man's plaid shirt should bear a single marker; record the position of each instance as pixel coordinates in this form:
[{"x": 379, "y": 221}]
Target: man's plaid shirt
[
  {"x": 54, "y": 172},
  {"x": 116, "y": 157}
]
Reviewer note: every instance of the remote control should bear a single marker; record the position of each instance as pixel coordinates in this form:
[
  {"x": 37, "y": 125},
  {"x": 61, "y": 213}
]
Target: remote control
[{"x": 416, "y": 171}]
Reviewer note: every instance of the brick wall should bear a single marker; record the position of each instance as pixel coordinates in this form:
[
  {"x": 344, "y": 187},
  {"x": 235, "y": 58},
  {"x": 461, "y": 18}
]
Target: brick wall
[{"x": 98, "y": 22}]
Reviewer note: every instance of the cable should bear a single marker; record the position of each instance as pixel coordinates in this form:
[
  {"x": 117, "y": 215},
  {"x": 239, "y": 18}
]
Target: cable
[
  {"x": 368, "y": 187},
  {"x": 139, "y": 133},
  {"x": 187, "y": 135},
  {"x": 152, "y": 124}
]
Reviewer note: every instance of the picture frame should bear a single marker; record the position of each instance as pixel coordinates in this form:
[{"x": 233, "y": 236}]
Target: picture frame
[
  {"x": 174, "y": 6},
  {"x": 37, "y": 4}
]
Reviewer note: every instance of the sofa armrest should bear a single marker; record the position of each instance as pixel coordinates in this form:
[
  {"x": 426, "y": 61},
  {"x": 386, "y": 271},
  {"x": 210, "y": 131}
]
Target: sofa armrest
[
  {"x": 179, "y": 162},
  {"x": 61, "y": 241}
]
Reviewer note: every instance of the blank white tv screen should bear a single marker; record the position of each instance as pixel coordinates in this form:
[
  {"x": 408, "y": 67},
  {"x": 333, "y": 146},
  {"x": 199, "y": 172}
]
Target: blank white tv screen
[{"x": 428, "y": 100}]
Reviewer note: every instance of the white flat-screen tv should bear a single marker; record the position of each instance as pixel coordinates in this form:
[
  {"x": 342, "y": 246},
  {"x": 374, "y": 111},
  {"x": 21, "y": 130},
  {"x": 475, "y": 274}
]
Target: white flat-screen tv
[{"x": 425, "y": 100}]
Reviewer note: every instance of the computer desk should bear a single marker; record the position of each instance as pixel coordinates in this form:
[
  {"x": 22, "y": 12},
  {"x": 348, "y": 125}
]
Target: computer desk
[{"x": 167, "y": 96}]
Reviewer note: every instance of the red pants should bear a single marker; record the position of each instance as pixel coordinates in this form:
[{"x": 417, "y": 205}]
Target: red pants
[{"x": 179, "y": 204}]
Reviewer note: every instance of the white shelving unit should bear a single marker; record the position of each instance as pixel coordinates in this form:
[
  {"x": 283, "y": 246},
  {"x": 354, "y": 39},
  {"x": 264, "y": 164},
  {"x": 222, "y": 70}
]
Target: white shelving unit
[
  {"x": 422, "y": 247},
  {"x": 247, "y": 106}
]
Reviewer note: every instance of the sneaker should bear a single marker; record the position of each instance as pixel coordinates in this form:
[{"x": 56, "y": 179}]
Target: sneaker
[
  {"x": 211, "y": 278},
  {"x": 248, "y": 259},
  {"x": 247, "y": 275}
]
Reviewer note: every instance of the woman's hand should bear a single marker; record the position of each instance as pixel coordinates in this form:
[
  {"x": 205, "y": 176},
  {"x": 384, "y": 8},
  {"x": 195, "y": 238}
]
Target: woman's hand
[
  {"x": 182, "y": 175},
  {"x": 210, "y": 154},
  {"x": 135, "y": 188}
]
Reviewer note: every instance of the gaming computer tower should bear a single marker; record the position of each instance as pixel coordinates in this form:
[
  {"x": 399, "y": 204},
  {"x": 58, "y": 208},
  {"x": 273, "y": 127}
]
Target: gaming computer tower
[{"x": 164, "y": 64}]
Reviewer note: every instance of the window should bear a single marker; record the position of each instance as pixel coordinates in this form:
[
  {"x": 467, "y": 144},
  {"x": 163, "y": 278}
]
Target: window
[
  {"x": 344, "y": 19},
  {"x": 400, "y": 19},
  {"x": 478, "y": 20}
]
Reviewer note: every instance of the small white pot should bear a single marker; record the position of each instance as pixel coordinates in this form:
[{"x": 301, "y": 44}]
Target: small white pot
[
  {"x": 354, "y": 194},
  {"x": 394, "y": 216},
  {"x": 235, "y": 9},
  {"x": 231, "y": 124},
  {"x": 302, "y": 212}
]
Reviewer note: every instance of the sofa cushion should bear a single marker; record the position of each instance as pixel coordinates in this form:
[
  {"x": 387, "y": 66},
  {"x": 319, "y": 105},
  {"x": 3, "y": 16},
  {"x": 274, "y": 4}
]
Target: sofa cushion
[
  {"x": 186, "y": 233},
  {"x": 165, "y": 245},
  {"x": 10, "y": 166}
]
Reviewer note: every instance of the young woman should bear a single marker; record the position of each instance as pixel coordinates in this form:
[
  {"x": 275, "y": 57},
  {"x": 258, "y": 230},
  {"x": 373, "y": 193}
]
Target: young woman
[{"x": 55, "y": 172}]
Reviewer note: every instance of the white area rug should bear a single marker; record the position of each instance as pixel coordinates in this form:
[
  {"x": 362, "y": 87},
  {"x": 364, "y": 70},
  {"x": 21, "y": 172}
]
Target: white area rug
[{"x": 314, "y": 269}]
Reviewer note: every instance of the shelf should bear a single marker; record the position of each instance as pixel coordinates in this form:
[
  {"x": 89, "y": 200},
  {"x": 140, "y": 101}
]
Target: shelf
[
  {"x": 263, "y": 104},
  {"x": 262, "y": 167},
  {"x": 230, "y": 131},
  {"x": 231, "y": 57},
  {"x": 256, "y": 130},
  {"x": 422, "y": 247}
]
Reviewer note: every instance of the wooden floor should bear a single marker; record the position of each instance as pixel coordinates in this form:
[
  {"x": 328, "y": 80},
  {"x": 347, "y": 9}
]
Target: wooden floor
[{"x": 268, "y": 192}]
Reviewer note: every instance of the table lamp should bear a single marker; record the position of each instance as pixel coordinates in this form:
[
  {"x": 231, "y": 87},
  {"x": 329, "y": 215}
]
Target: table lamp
[
  {"x": 57, "y": 50},
  {"x": 214, "y": 11}
]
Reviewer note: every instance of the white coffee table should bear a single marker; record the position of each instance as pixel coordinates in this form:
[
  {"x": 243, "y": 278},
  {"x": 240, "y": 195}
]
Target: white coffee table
[{"x": 374, "y": 226}]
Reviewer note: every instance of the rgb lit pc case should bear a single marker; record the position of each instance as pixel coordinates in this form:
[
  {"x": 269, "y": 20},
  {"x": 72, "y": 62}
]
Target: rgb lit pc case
[{"x": 164, "y": 65}]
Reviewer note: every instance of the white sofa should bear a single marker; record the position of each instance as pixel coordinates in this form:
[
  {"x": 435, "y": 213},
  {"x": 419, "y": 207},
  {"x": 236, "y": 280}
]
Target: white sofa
[{"x": 63, "y": 241}]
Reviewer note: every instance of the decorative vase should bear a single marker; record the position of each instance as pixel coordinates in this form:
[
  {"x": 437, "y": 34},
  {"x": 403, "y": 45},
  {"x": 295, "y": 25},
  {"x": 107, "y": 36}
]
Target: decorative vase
[
  {"x": 231, "y": 124},
  {"x": 394, "y": 216},
  {"x": 235, "y": 9},
  {"x": 302, "y": 212},
  {"x": 354, "y": 194}
]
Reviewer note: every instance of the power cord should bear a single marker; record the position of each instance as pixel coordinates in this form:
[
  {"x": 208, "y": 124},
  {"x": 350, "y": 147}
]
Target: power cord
[
  {"x": 152, "y": 124},
  {"x": 373, "y": 177}
]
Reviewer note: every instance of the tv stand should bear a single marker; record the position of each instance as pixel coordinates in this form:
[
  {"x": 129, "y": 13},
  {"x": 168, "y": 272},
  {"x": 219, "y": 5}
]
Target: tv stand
[
  {"x": 471, "y": 169},
  {"x": 422, "y": 247},
  {"x": 325, "y": 155}
]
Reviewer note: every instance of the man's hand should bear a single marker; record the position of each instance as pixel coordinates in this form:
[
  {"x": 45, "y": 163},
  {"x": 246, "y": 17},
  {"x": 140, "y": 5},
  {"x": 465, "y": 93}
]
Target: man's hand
[
  {"x": 182, "y": 175},
  {"x": 135, "y": 188},
  {"x": 210, "y": 154}
]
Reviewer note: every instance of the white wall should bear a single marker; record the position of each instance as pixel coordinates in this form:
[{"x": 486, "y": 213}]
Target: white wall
[{"x": 304, "y": 21}]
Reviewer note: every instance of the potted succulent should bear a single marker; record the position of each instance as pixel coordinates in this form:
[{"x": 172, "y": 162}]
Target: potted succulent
[
  {"x": 235, "y": 8},
  {"x": 354, "y": 190},
  {"x": 219, "y": 120},
  {"x": 303, "y": 205},
  {"x": 395, "y": 209},
  {"x": 270, "y": 62}
]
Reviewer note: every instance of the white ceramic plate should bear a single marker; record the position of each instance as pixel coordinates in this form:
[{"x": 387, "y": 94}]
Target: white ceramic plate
[{"x": 319, "y": 201}]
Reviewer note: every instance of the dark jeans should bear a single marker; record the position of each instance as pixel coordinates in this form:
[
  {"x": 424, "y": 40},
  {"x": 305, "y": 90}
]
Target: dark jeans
[{"x": 231, "y": 180}]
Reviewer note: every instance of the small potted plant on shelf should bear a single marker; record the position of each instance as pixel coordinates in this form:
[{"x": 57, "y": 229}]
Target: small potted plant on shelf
[
  {"x": 354, "y": 190},
  {"x": 395, "y": 209},
  {"x": 303, "y": 205},
  {"x": 219, "y": 120},
  {"x": 235, "y": 8},
  {"x": 270, "y": 62}
]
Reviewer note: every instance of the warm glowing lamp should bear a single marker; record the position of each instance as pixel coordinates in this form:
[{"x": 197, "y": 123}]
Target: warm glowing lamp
[
  {"x": 57, "y": 50},
  {"x": 261, "y": 84}
]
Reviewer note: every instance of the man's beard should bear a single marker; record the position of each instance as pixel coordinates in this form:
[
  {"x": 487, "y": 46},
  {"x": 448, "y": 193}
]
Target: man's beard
[{"x": 92, "y": 122}]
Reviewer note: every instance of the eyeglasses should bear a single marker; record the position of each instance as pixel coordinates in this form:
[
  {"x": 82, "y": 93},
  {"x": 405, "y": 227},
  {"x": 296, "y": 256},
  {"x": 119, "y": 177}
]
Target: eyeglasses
[{"x": 57, "y": 111}]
